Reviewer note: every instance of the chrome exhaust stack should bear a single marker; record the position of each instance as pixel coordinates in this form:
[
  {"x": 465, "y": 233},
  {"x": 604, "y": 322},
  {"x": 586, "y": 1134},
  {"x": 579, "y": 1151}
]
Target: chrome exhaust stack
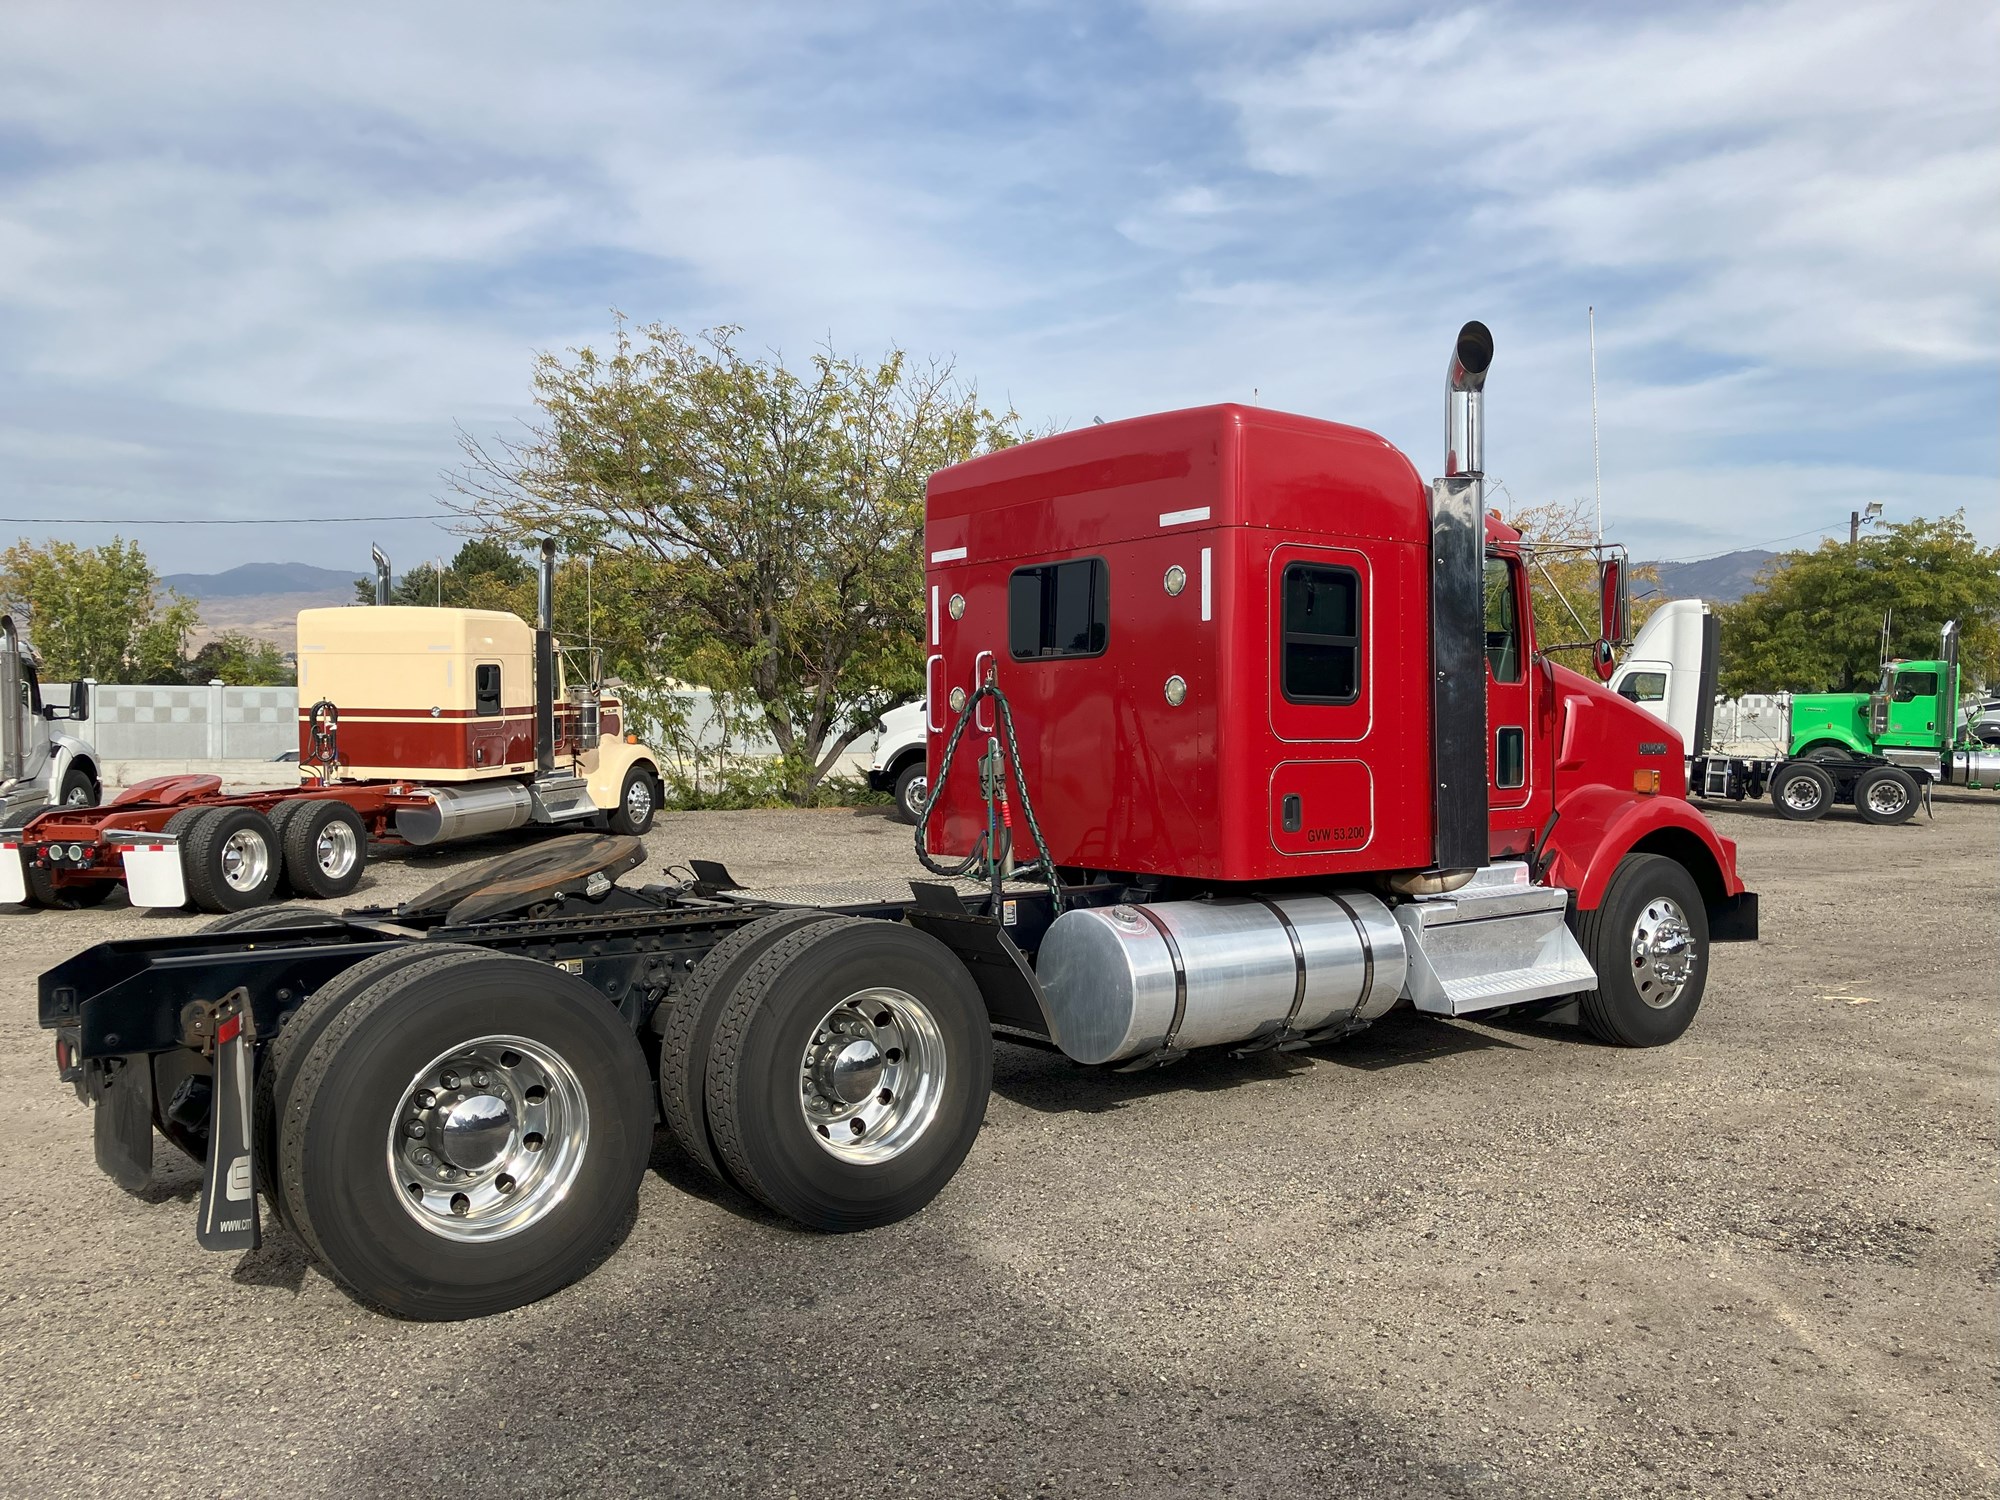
[
  {"x": 1465, "y": 400},
  {"x": 1458, "y": 620},
  {"x": 545, "y": 660},
  {"x": 381, "y": 573}
]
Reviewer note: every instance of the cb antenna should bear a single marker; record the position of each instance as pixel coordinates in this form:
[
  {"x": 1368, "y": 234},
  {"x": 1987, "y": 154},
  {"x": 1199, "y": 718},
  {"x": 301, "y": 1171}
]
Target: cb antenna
[{"x": 1596, "y": 467}]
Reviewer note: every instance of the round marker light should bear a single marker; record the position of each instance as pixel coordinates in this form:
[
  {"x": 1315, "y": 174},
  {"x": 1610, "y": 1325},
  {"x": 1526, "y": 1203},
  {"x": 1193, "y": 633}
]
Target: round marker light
[
  {"x": 957, "y": 700},
  {"x": 1176, "y": 692},
  {"x": 76, "y": 851},
  {"x": 957, "y": 606},
  {"x": 1176, "y": 580}
]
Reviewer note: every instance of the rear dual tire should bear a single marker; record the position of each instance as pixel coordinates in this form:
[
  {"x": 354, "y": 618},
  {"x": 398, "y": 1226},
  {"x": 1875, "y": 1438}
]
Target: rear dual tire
[
  {"x": 1802, "y": 791},
  {"x": 848, "y": 1074},
  {"x": 538, "y": 1126}
]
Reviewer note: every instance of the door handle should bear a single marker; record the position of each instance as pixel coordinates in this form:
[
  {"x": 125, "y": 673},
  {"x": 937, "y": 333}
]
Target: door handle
[{"x": 982, "y": 716}]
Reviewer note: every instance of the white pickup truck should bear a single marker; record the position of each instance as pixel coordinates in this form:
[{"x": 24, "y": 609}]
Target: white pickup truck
[{"x": 899, "y": 760}]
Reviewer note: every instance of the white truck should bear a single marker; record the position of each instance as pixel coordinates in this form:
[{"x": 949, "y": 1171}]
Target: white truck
[
  {"x": 899, "y": 760},
  {"x": 40, "y": 766}
]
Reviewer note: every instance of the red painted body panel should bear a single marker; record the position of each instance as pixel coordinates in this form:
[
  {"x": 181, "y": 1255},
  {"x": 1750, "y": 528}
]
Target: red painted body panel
[
  {"x": 1125, "y": 780},
  {"x": 417, "y": 740}
]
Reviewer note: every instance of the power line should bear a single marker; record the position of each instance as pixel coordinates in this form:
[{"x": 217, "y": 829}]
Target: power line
[
  {"x": 1705, "y": 556},
  {"x": 207, "y": 520}
]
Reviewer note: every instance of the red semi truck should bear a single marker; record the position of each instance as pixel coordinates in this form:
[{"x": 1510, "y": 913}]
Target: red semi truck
[{"x": 1240, "y": 738}]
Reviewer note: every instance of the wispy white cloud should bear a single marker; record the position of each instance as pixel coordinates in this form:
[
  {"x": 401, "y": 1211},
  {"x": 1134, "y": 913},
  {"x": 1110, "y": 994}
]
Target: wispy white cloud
[{"x": 266, "y": 256}]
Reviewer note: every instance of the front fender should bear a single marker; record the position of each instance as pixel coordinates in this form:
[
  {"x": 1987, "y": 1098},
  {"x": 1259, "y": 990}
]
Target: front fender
[
  {"x": 1600, "y": 825},
  {"x": 606, "y": 782}
]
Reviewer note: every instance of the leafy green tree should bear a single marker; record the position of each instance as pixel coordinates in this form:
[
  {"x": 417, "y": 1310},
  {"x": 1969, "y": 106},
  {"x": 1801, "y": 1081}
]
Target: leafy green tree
[
  {"x": 770, "y": 519},
  {"x": 241, "y": 660},
  {"x": 98, "y": 611},
  {"x": 1814, "y": 623},
  {"x": 1562, "y": 578},
  {"x": 482, "y": 573}
]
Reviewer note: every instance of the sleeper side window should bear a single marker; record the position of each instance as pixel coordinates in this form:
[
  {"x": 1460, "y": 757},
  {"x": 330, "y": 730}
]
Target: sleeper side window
[
  {"x": 1059, "y": 609},
  {"x": 1644, "y": 687},
  {"x": 486, "y": 688},
  {"x": 1322, "y": 634}
]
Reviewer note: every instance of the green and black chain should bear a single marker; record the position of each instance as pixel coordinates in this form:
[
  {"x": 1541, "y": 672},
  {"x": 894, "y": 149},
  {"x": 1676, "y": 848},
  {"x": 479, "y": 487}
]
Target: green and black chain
[{"x": 1045, "y": 866}]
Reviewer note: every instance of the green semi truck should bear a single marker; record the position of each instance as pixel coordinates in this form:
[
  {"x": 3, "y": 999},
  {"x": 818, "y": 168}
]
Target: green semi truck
[{"x": 1879, "y": 752}]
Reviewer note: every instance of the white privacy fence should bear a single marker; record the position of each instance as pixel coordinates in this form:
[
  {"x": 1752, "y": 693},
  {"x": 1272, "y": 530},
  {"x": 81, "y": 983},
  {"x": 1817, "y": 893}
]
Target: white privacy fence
[{"x": 148, "y": 723}]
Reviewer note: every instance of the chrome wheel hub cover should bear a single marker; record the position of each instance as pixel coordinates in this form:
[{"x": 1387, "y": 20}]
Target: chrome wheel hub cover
[
  {"x": 488, "y": 1138},
  {"x": 335, "y": 849},
  {"x": 872, "y": 1075},
  {"x": 1663, "y": 952},
  {"x": 246, "y": 859},
  {"x": 638, "y": 799},
  {"x": 1802, "y": 792}
]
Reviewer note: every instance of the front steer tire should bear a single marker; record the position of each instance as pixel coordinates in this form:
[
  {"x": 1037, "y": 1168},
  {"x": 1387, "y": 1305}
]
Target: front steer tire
[
  {"x": 1651, "y": 908},
  {"x": 343, "y": 1179},
  {"x": 762, "y": 1069},
  {"x": 638, "y": 803},
  {"x": 913, "y": 792}
]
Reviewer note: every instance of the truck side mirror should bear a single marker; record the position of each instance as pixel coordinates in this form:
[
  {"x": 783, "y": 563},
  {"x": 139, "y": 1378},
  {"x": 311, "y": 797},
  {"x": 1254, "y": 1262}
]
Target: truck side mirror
[
  {"x": 79, "y": 700},
  {"x": 1614, "y": 607},
  {"x": 1603, "y": 661}
]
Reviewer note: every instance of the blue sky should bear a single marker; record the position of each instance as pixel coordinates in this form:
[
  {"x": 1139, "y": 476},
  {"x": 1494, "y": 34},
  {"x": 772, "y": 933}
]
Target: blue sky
[{"x": 258, "y": 261}]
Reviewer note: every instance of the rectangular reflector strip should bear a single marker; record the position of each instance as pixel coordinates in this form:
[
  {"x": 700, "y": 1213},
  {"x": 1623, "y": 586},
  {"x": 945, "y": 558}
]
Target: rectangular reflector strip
[{"x": 1182, "y": 517}]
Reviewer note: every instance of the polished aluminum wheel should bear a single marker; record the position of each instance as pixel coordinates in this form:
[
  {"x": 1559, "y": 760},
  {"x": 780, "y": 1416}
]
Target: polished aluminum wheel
[
  {"x": 872, "y": 1075},
  {"x": 246, "y": 859},
  {"x": 918, "y": 794},
  {"x": 1663, "y": 952},
  {"x": 638, "y": 801},
  {"x": 336, "y": 849},
  {"x": 488, "y": 1138},
  {"x": 80, "y": 796}
]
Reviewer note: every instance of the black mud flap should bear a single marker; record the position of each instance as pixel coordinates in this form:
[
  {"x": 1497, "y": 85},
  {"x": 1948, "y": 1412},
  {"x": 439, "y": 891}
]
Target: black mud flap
[
  {"x": 1006, "y": 983},
  {"x": 122, "y": 1129},
  {"x": 1734, "y": 920},
  {"x": 228, "y": 1218}
]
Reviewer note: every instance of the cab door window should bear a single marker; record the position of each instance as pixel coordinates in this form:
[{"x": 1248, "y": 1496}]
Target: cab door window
[{"x": 1503, "y": 629}]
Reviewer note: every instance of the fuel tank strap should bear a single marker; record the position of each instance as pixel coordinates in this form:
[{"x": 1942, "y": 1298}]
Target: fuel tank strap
[
  {"x": 1298, "y": 961},
  {"x": 1180, "y": 977},
  {"x": 1367, "y": 953}
]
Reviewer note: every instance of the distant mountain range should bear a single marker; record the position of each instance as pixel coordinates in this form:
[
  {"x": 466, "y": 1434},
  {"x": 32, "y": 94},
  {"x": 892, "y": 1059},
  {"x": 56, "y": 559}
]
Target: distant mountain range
[
  {"x": 1720, "y": 580},
  {"x": 263, "y": 600},
  {"x": 266, "y": 578}
]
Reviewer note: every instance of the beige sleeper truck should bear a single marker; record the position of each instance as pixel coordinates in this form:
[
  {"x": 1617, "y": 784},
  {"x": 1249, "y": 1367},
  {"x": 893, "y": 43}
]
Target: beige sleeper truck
[{"x": 416, "y": 725}]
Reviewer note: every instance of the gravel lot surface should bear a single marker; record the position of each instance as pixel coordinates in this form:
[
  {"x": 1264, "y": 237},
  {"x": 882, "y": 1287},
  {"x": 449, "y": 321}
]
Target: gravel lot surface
[{"x": 1443, "y": 1259}]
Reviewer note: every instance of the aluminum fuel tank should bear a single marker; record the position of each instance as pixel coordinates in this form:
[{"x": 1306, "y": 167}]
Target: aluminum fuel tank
[{"x": 1111, "y": 974}]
